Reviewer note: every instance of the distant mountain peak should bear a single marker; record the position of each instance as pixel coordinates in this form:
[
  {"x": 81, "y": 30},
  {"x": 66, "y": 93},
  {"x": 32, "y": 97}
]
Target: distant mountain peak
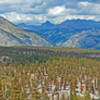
[{"x": 47, "y": 23}]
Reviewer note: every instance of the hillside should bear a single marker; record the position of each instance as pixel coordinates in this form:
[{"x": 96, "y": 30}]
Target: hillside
[
  {"x": 87, "y": 39},
  {"x": 11, "y": 35},
  {"x": 69, "y": 33}
]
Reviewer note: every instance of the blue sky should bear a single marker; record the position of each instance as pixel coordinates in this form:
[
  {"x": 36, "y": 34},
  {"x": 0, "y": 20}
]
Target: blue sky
[{"x": 55, "y": 11}]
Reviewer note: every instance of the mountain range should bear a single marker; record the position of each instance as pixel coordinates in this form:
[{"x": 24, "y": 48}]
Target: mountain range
[
  {"x": 70, "y": 33},
  {"x": 12, "y": 35}
]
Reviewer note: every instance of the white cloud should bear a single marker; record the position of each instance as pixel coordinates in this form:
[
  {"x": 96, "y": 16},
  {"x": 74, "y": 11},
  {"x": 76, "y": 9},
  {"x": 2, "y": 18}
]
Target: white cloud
[
  {"x": 56, "y": 10},
  {"x": 15, "y": 17},
  {"x": 22, "y": 6},
  {"x": 38, "y": 11},
  {"x": 60, "y": 19},
  {"x": 30, "y": 18},
  {"x": 60, "y": 10},
  {"x": 89, "y": 7},
  {"x": 10, "y": 1},
  {"x": 86, "y": 3},
  {"x": 19, "y": 1}
]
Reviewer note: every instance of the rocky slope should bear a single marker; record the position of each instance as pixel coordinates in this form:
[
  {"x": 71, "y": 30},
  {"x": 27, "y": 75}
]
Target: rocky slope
[
  {"x": 11, "y": 35},
  {"x": 71, "y": 33}
]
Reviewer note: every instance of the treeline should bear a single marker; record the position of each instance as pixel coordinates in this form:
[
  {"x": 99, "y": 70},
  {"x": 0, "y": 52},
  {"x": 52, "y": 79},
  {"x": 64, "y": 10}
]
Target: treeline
[{"x": 21, "y": 55}]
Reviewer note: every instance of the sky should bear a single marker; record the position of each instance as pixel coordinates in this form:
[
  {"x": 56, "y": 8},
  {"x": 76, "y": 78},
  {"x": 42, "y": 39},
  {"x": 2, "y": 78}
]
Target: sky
[{"x": 55, "y": 11}]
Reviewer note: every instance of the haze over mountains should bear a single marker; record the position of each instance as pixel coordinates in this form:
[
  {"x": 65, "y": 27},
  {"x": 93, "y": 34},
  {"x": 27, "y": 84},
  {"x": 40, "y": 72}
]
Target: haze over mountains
[
  {"x": 11, "y": 35},
  {"x": 70, "y": 33}
]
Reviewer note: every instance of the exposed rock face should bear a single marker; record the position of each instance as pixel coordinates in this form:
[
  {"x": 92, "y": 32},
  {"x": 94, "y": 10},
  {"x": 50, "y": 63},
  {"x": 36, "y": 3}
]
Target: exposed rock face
[{"x": 11, "y": 35}]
